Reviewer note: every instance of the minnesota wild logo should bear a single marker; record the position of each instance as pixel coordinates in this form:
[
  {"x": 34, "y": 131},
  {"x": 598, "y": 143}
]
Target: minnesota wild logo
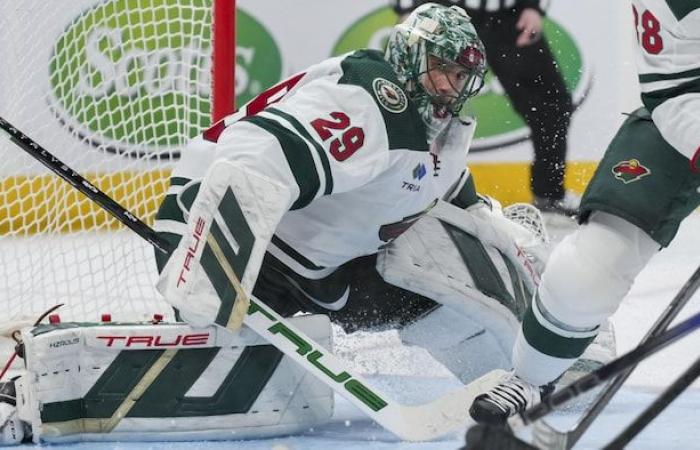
[
  {"x": 629, "y": 171},
  {"x": 390, "y": 96}
]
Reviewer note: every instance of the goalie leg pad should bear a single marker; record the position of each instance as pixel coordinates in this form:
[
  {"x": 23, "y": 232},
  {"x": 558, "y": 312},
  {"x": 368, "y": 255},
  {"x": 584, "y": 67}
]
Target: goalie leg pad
[
  {"x": 460, "y": 260},
  {"x": 466, "y": 348},
  {"x": 211, "y": 273},
  {"x": 166, "y": 382},
  {"x": 445, "y": 262}
]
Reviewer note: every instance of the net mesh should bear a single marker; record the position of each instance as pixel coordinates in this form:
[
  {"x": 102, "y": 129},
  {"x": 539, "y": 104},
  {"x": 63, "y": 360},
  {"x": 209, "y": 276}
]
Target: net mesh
[
  {"x": 529, "y": 217},
  {"x": 112, "y": 88}
]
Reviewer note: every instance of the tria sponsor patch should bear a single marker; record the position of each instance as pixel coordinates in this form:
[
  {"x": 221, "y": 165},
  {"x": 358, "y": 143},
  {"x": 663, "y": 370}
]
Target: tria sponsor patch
[
  {"x": 419, "y": 171},
  {"x": 630, "y": 170},
  {"x": 390, "y": 95}
]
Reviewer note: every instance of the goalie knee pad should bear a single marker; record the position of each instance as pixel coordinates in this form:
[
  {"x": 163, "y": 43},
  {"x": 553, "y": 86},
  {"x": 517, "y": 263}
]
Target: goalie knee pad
[
  {"x": 445, "y": 258},
  {"x": 165, "y": 382}
]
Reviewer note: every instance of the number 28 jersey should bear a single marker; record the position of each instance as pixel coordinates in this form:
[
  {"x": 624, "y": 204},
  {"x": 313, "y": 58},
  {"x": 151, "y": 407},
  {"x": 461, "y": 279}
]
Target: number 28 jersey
[
  {"x": 352, "y": 147},
  {"x": 668, "y": 61}
]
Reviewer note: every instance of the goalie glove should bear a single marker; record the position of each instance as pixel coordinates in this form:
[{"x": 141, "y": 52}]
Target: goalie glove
[
  {"x": 519, "y": 222},
  {"x": 12, "y": 429},
  {"x": 518, "y": 231}
]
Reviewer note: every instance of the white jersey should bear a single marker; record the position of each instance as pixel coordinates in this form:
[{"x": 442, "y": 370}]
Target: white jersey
[
  {"x": 668, "y": 33},
  {"x": 351, "y": 146}
]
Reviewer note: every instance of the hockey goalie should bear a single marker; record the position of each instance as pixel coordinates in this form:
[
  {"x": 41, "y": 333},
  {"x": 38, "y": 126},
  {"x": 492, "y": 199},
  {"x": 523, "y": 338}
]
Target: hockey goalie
[
  {"x": 454, "y": 284},
  {"x": 338, "y": 195}
]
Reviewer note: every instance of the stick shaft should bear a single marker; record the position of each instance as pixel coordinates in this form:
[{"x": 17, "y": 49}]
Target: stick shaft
[
  {"x": 613, "y": 368},
  {"x": 653, "y": 410},
  {"x": 81, "y": 184}
]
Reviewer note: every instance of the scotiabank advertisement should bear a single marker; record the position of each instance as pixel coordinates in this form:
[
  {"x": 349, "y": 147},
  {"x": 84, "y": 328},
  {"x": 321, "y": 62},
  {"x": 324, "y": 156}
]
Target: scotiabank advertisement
[{"x": 100, "y": 80}]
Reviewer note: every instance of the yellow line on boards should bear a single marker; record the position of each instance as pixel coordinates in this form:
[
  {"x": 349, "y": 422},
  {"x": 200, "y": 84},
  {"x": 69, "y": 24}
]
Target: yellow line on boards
[
  {"x": 510, "y": 182},
  {"x": 47, "y": 204}
]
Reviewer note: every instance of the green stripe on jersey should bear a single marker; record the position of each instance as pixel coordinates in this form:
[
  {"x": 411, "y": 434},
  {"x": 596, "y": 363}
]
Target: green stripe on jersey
[
  {"x": 298, "y": 157},
  {"x": 179, "y": 181},
  {"x": 681, "y": 8},
  {"x": 654, "y": 98},
  {"x": 405, "y": 130},
  {"x": 295, "y": 255},
  {"x": 651, "y": 77},
  {"x": 319, "y": 149}
]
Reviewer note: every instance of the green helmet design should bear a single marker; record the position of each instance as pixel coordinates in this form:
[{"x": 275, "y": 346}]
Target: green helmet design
[{"x": 446, "y": 33}]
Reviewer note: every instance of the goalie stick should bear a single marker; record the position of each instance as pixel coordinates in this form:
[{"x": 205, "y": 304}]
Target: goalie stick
[
  {"x": 412, "y": 423},
  {"x": 544, "y": 433}
]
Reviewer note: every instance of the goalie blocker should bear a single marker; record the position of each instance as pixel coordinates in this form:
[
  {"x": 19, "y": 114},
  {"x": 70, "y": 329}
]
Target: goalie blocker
[
  {"x": 231, "y": 214},
  {"x": 104, "y": 382}
]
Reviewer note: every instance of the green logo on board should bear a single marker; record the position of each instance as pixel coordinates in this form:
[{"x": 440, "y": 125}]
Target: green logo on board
[
  {"x": 134, "y": 76},
  {"x": 499, "y": 123}
]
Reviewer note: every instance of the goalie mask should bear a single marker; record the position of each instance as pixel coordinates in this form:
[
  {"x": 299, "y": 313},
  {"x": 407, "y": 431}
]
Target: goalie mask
[{"x": 437, "y": 54}]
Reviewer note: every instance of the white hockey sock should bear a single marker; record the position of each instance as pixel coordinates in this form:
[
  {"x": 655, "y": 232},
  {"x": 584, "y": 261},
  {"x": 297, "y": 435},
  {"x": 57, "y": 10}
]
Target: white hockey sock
[
  {"x": 544, "y": 349},
  {"x": 586, "y": 278}
]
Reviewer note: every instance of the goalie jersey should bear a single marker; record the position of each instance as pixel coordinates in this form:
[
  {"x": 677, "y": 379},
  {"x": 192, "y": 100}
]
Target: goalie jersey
[
  {"x": 351, "y": 146},
  {"x": 668, "y": 60}
]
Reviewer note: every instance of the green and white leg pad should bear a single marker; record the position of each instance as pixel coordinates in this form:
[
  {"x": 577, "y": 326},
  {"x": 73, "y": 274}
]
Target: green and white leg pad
[
  {"x": 470, "y": 261},
  {"x": 461, "y": 263},
  {"x": 105, "y": 382}
]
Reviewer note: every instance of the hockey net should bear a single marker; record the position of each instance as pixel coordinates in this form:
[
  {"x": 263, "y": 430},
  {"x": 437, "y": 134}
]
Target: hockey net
[
  {"x": 113, "y": 88},
  {"x": 530, "y": 218}
]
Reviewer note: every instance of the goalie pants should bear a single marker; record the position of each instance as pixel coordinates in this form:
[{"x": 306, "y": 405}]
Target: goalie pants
[{"x": 371, "y": 302}]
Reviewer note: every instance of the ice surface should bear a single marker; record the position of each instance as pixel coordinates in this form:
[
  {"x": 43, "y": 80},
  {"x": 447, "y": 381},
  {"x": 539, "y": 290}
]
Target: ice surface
[{"x": 410, "y": 375}]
